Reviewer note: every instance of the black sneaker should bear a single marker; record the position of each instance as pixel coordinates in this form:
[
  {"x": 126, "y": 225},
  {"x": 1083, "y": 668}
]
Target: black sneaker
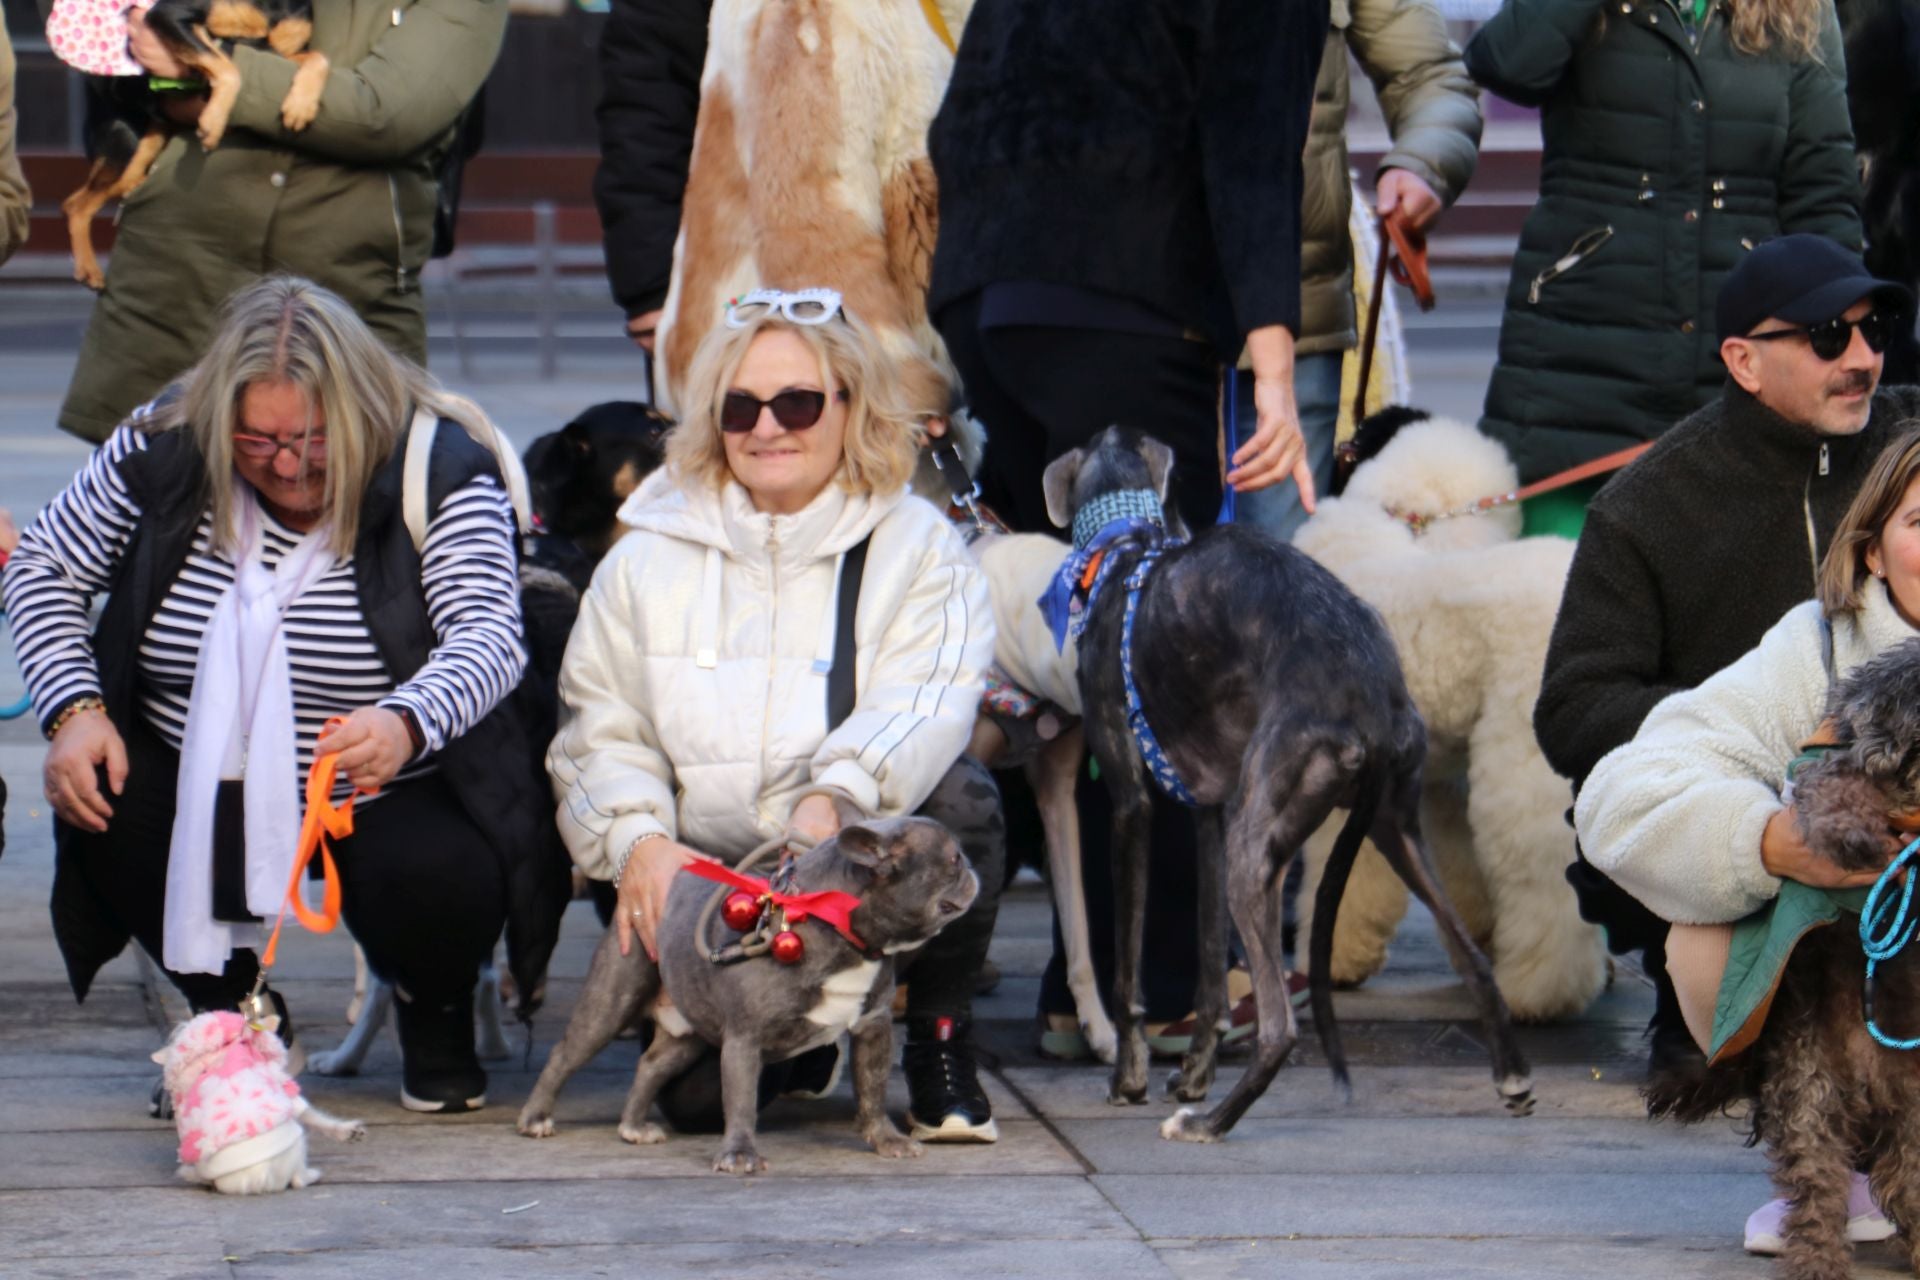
[
  {"x": 945, "y": 1101},
  {"x": 440, "y": 1071}
]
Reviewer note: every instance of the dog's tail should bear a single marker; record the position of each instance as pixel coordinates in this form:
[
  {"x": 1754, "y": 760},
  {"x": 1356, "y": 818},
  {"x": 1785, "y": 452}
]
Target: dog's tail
[{"x": 1370, "y": 785}]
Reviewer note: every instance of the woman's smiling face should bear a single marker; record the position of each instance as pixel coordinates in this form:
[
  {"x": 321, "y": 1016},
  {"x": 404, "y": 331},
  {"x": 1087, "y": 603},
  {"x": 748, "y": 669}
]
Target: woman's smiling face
[
  {"x": 784, "y": 470},
  {"x": 1895, "y": 555}
]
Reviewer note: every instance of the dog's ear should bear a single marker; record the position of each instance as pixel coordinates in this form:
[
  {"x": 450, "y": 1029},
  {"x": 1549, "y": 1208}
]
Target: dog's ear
[
  {"x": 864, "y": 847},
  {"x": 160, "y": 1056},
  {"x": 1159, "y": 459},
  {"x": 576, "y": 437},
  {"x": 1057, "y": 483}
]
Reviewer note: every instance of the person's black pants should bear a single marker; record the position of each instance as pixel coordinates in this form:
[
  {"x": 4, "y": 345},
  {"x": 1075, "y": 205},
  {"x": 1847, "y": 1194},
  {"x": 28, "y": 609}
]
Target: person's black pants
[
  {"x": 420, "y": 887},
  {"x": 1040, "y": 392}
]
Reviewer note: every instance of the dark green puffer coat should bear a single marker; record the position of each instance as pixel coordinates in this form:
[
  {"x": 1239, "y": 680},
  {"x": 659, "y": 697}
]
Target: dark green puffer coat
[{"x": 1666, "y": 155}]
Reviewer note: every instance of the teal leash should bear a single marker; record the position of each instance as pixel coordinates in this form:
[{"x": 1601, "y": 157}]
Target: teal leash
[{"x": 1885, "y": 931}]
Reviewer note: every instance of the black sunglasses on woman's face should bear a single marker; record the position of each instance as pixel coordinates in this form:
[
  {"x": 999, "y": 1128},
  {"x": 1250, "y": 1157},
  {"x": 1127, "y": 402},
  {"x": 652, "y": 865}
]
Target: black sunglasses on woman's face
[
  {"x": 793, "y": 410},
  {"x": 1831, "y": 339}
]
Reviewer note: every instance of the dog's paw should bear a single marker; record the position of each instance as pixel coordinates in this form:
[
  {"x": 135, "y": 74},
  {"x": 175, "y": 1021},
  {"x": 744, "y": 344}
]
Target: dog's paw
[
  {"x": 743, "y": 1163},
  {"x": 332, "y": 1062},
  {"x": 1187, "y": 1125},
  {"x": 1119, "y": 1097},
  {"x": 298, "y": 111},
  {"x": 356, "y": 1131},
  {"x": 896, "y": 1146},
  {"x": 1182, "y": 1089},
  {"x": 1517, "y": 1093},
  {"x": 643, "y": 1135},
  {"x": 1103, "y": 1039},
  {"x": 532, "y": 1125}
]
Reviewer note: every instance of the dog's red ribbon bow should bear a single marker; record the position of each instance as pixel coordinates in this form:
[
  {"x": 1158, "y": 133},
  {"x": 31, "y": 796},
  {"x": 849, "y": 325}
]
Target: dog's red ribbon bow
[{"x": 829, "y": 906}]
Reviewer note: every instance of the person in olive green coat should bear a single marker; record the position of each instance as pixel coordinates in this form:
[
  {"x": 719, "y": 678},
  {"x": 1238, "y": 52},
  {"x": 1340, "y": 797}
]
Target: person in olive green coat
[
  {"x": 1676, "y": 136},
  {"x": 348, "y": 202},
  {"x": 16, "y": 202},
  {"x": 1432, "y": 111}
]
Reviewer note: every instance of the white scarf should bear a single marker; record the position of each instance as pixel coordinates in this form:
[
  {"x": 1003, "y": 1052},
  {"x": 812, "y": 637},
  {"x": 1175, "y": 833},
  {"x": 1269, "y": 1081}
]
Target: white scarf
[{"x": 239, "y": 723}]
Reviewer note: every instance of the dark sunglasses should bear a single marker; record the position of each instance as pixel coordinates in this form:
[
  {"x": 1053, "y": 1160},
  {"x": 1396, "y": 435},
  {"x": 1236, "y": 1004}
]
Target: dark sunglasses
[
  {"x": 794, "y": 410},
  {"x": 1831, "y": 339}
]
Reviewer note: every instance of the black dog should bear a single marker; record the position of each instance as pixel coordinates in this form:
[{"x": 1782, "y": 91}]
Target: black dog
[
  {"x": 1276, "y": 697},
  {"x": 129, "y": 122}
]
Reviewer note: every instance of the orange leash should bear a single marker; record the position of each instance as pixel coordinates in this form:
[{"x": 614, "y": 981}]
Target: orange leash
[{"x": 324, "y": 819}]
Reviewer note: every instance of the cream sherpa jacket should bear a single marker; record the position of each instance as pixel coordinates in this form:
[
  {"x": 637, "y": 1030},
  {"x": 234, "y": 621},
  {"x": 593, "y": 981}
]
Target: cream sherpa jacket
[
  {"x": 1675, "y": 815},
  {"x": 694, "y": 685}
]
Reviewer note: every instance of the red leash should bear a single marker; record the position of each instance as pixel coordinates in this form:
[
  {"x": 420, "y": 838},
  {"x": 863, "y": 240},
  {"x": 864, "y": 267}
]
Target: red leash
[{"x": 1559, "y": 480}]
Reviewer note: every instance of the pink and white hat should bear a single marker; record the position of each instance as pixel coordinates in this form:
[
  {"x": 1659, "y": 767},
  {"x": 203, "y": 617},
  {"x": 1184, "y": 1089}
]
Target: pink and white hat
[{"x": 91, "y": 36}]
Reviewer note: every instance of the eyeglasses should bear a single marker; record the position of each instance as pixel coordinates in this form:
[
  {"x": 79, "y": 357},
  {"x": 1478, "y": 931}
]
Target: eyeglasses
[
  {"x": 794, "y": 410},
  {"x": 806, "y": 306},
  {"x": 313, "y": 444},
  {"x": 1831, "y": 339}
]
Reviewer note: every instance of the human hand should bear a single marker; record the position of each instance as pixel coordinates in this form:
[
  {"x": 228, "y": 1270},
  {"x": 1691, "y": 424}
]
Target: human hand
[
  {"x": 1785, "y": 855},
  {"x": 1401, "y": 191},
  {"x": 71, "y": 778},
  {"x": 815, "y": 819},
  {"x": 640, "y": 329},
  {"x": 641, "y": 895},
  {"x": 1277, "y": 448},
  {"x": 9, "y": 533},
  {"x": 150, "y": 51},
  {"x": 373, "y": 745}
]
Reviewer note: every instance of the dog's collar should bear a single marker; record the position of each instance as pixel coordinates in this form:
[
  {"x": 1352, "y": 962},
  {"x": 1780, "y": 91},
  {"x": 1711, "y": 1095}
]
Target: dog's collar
[
  {"x": 831, "y": 907},
  {"x": 1068, "y": 600},
  {"x": 1107, "y": 509}
]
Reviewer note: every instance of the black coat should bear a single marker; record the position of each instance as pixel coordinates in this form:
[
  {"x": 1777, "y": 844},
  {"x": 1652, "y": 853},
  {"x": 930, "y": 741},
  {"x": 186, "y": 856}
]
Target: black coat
[
  {"x": 651, "y": 54},
  {"x": 1145, "y": 148},
  {"x": 1663, "y": 158},
  {"x": 493, "y": 768},
  {"x": 1689, "y": 556}
]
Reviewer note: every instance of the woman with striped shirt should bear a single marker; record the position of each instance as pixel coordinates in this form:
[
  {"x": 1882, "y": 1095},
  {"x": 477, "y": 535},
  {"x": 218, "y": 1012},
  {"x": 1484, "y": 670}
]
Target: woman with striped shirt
[{"x": 248, "y": 529}]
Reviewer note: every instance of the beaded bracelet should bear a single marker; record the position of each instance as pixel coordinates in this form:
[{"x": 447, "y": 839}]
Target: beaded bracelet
[
  {"x": 73, "y": 709},
  {"x": 621, "y": 859}
]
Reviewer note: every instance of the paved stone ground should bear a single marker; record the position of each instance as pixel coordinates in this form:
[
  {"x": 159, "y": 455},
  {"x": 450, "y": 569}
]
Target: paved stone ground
[{"x": 1422, "y": 1176}]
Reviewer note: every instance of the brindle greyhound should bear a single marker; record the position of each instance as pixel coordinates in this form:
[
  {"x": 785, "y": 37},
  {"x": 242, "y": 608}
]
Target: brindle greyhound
[{"x": 1275, "y": 696}]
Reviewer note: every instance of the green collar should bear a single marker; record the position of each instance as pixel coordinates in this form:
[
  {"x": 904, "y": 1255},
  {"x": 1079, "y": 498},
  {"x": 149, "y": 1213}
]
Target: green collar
[{"x": 160, "y": 84}]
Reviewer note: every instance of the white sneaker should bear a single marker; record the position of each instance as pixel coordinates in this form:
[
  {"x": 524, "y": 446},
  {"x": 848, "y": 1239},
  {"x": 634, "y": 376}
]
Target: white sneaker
[{"x": 1766, "y": 1228}]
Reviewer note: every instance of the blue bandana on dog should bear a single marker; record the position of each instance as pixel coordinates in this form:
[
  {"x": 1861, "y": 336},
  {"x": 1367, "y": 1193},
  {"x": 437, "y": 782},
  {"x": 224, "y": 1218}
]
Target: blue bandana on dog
[{"x": 1110, "y": 523}]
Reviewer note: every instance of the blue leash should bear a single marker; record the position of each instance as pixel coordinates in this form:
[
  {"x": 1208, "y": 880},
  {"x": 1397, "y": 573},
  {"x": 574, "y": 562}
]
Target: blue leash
[
  {"x": 1883, "y": 938},
  {"x": 1232, "y": 396},
  {"x": 18, "y": 709}
]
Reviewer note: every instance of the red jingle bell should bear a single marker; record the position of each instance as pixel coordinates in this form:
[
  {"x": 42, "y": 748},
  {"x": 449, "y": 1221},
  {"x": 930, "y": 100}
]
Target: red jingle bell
[
  {"x": 741, "y": 911},
  {"x": 787, "y": 947}
]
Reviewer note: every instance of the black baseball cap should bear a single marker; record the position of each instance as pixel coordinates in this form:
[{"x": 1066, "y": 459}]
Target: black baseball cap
[{"x": 1802, "y": 279}]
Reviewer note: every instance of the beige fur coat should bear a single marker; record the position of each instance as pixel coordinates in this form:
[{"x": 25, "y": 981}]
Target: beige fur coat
[{"x": 810, "y": 168}]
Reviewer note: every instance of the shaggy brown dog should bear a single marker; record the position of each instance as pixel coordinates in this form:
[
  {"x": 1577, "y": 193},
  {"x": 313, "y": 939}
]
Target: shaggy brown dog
[{"x": 1825, "y": 1096}]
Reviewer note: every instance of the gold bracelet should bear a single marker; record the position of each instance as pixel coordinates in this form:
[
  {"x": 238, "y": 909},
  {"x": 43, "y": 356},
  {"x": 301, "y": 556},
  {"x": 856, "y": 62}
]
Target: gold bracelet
[{"x": 73, "y": 709}]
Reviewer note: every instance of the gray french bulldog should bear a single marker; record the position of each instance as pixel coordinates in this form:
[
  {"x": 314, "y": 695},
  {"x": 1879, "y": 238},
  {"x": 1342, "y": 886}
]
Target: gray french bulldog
[{"x": 912, "y": 881}]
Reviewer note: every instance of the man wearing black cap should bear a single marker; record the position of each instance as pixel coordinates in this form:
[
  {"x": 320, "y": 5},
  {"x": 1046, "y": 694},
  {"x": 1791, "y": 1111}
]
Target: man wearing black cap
[{"x": 1700, "y": 546}]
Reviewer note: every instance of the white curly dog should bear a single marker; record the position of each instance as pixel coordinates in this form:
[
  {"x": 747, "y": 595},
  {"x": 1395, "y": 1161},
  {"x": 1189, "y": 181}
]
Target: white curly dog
[{"x": 1470, "y": 605}]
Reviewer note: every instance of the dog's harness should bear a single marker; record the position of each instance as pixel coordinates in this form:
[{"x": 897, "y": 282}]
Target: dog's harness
[{"x": 1111, "y": 523}]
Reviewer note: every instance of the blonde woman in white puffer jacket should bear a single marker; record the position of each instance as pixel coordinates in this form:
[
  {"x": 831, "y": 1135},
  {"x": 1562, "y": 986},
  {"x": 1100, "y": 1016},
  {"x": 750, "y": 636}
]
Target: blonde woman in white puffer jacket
[{"x": 695, "y": 682}]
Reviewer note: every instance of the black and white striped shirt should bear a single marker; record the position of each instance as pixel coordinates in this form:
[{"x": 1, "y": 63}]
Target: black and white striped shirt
[{"x": 468, "y": 572}]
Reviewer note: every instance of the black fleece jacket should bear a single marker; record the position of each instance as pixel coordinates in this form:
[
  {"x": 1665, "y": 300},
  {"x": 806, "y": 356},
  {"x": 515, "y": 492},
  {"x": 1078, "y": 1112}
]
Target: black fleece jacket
[
  {"x": 1689, "y": 556},
  {"x": 1145, "y": 148},
  {"x": 651, "y": 55}
]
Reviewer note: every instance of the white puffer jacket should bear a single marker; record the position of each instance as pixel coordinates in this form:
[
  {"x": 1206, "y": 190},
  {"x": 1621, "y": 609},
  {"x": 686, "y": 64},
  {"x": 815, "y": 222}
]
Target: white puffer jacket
[
  {"x": 1675, "y": 816},
  {"x": 694, "y": 686}
]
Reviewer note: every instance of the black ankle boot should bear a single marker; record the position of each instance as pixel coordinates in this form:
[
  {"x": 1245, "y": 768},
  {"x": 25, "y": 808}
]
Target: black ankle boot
[
  {"x": 945, "y": 1100},
  {"x": 440, "y": 1071}
]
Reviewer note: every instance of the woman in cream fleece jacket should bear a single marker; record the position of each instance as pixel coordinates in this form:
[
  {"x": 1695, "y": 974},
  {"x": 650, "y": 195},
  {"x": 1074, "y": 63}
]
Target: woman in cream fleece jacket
[{"x": 695, "y": 684}]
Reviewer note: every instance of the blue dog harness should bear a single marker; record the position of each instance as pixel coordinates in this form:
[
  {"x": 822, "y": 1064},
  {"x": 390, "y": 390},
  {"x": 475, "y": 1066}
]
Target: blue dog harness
[{"x": 1111, "y": 523}]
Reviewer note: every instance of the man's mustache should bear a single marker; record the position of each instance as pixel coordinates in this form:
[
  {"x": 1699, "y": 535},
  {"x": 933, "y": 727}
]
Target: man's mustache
[{"x": 1860, "y": 382}]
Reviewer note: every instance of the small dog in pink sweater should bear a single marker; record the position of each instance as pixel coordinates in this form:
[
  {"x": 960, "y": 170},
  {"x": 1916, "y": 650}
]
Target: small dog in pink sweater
[{"x": 239, "y": 1113}]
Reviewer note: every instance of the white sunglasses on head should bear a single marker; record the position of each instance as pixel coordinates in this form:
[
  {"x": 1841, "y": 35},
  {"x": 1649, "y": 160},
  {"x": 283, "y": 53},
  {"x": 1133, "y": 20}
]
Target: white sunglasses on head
[{"x": 804, "y": 306}]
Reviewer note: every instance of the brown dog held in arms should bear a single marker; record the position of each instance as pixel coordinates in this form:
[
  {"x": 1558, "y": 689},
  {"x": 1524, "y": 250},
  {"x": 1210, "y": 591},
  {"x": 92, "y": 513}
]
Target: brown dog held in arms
[{"x": 189, "y": 29}]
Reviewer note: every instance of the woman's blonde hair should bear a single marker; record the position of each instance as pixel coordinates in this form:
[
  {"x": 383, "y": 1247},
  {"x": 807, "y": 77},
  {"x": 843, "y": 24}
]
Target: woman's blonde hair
[
  {"x": 283, "y": 329},
  {"x": 1844, "y": 570},
  {"x": 883, "y": 425},
  {"x": 1756, "y": 26}
]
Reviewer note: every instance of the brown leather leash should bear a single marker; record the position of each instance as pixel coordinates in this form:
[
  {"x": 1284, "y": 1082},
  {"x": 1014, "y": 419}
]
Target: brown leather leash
[
  {"x": 1404, "y": 252},
  {"x": 1559, "y": 480}
]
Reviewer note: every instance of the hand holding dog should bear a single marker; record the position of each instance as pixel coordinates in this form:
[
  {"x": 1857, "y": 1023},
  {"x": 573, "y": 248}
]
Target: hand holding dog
[
  {"x": 71, "y": 776},
  {"x": 373, "y": 744},
  {"x": 642, "y": 892},
  {"x": 1785, "y": 855}
]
